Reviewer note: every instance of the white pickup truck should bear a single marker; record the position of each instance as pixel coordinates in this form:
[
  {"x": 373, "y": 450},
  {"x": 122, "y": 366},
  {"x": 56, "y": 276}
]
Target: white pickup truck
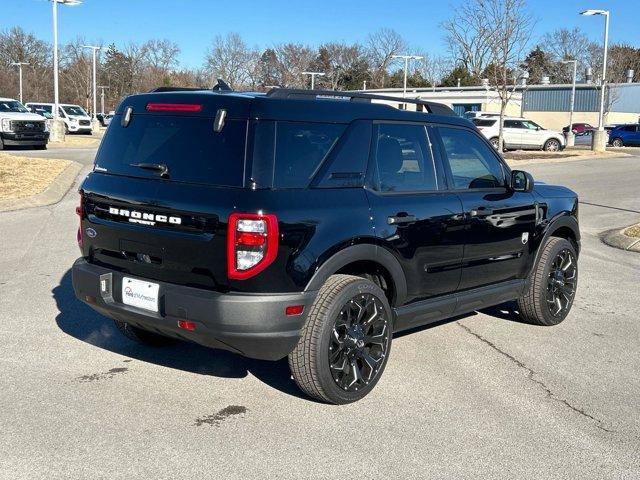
[{"x": 20, "y": 127}]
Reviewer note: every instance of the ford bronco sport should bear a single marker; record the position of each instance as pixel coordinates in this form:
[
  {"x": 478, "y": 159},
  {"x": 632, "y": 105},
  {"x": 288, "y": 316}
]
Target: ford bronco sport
[{"x": 313, "y": 225}]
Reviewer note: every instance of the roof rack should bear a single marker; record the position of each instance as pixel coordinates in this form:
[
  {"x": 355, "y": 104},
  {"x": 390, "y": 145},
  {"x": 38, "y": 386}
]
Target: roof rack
[
  {"x": 177, "y": 89},
  {"x": 220, "y": 86},
  {"x": 431, "y": 107}
]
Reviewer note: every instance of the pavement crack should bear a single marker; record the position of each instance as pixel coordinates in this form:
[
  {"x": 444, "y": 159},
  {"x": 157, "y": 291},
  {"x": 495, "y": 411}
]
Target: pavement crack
[{"x": 531, "y": 375}]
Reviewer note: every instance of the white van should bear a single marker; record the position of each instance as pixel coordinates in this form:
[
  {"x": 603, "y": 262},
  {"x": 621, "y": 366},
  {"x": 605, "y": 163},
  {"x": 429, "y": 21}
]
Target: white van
[
  {"x": 74, "y": 117},
  {"x": 20, "y": 127}
]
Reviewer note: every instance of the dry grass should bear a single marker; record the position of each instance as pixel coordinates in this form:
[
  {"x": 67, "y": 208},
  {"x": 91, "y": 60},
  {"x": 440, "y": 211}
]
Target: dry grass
[
  {"x": 85, "y": 141},
  {"x": 22, "y": 177},
  {"x": 633, "y": 231}
]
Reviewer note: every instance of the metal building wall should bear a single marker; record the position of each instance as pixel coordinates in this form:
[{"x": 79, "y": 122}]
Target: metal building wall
[{"x": 619, "y": 98}]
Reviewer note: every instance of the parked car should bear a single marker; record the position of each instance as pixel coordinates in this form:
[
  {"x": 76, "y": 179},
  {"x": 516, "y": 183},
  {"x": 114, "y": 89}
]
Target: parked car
[
  {"x": 520, "y": 133},
  {"x": 579, "y": 128},
  {"x": 625, "y": 135},
  {"x": 76, "y": 120},
  {"x": 471, "y": 115},
  {"x": 313, "y": 226},
  {"x": 19, "y": 127}
]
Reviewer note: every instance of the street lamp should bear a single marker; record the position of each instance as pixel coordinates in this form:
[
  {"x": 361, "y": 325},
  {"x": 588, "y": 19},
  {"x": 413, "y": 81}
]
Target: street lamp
[
  {"x": 571, "y": 139},
  {"x": 599, "y": 138},
  {"x": 313, "y": 77},
  {"x": 94, "y": 49},
  {"x": 406, "y": 59},
  {"x": 19, "y": 65}
]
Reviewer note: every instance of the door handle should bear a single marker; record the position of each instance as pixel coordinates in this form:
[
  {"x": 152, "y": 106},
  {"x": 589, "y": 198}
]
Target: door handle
[
  {"x": 400, "y": 219},
  {"x": 481, "y": 212}
]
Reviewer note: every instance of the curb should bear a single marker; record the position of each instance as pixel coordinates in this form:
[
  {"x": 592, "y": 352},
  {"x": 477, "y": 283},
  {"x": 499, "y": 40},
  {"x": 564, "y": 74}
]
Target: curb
[
  {"x": 617, "y": 239},
  {"x": 569, "y": 158},
  {"x": 52, "y": 194}
]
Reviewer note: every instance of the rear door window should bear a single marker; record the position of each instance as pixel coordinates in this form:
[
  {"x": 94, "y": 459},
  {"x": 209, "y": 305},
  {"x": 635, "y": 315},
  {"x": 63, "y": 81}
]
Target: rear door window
[
  {"x": 403, "y": 159},
  {"x": 187, "y": 146}
]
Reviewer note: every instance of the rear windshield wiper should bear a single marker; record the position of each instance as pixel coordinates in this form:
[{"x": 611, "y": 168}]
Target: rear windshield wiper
[{"x": 156, "y": 167}]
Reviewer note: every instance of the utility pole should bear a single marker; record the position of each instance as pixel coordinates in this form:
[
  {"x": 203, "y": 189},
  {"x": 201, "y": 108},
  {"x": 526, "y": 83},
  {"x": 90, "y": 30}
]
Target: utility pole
[
  {"x": 57, "y": 127},
  {"x": 571, "y": 138},
  {"x": 406, "y": 59},
  {"x": 94, "y": 49},
  {"x": 19, "y": 65},
  {"x": 313, "y": 77},
  {"x": 600, "y": 138},
  {"x": 102, "y": 87}
]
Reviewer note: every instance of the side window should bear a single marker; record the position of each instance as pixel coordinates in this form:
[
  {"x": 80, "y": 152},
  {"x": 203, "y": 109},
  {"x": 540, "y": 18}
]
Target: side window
[
  {"x": 300, "y": 149},
  {"x": 473, "y": 164},
  {"x": 513, "y": 124},
  {"x": 403, "y": 159}
]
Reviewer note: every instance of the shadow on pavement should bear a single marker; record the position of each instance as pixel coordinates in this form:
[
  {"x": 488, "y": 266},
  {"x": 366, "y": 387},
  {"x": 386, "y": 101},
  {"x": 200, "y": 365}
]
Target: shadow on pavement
[{"x": 80, "y": 321}]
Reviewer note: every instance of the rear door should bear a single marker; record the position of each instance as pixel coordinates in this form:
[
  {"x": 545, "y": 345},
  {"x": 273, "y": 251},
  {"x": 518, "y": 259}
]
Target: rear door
[
  {"x": 499, "y": 221},
  {"x": 160, "y": 195},
  {"x": 419, "y": 222},
  {"x": 513, "y": 134}
]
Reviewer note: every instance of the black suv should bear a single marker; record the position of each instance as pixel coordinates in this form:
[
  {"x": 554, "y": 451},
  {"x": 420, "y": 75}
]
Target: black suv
[{"x": 313, "y": 225}]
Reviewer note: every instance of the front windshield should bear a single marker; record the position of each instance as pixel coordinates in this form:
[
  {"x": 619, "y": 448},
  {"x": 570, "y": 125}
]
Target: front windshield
[
  {"x": 74, "y": 110},
  {"x": 12, "y": 106}
]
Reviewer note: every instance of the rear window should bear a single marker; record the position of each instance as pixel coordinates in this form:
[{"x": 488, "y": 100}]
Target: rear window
[
  {"x": 482, "y": 122},
  {"x": 187, "y": 146}
]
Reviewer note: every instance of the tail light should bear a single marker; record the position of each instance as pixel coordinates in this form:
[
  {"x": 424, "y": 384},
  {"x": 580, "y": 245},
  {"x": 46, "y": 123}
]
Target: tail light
[
  {"x": 80, "y": 213},
  {"x": 173, "y": 107},
  {"x": 252, "y": 244}
]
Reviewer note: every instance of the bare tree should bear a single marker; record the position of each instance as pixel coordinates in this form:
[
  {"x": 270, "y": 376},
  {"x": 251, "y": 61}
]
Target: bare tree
[
  {"x": 381, "y": 47},
  {"x": 433, "y": 68},
  {"x": 293, "y": 59},
  {"x": 566, "y": 44},
  {"x": 511, "y": 26},
  {"x": 227, "y": 58},
  {"x": 469, "y": 37}
]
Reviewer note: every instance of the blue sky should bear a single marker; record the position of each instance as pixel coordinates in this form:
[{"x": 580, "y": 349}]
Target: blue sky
[{"x": 194, "y": 23}]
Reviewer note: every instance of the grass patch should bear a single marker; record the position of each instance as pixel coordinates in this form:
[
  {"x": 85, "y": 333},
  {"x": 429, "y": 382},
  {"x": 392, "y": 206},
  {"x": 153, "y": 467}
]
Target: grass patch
[
  {"x": 633, "y": 231},
  {"x": 86, "y": 141},
  {"x": 22, "y": 177}
]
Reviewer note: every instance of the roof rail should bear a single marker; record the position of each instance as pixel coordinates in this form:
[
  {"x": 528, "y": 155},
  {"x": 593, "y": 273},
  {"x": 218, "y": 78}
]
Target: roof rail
[
  {"x": 431, "y": 107},
  {"x": 176, "y": 89}
]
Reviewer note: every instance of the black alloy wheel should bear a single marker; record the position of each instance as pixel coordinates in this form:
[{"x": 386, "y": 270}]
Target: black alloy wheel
[
  {"x": 561, "y": 284},
  {"x": 359, "y": 342}
]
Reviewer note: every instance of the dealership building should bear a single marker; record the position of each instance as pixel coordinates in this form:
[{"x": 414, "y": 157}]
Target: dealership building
[{"x": 547, "y": 105}]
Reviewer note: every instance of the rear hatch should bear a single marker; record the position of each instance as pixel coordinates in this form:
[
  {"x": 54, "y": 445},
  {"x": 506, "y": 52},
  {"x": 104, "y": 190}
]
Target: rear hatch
[{"x": 163, "y": 186}]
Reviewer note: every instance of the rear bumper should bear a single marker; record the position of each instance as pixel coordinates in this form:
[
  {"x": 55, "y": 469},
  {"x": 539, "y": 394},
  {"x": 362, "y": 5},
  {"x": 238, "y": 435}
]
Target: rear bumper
[
  {"x": 252, "y": 325},
  {"x": 17, "y": 139}
]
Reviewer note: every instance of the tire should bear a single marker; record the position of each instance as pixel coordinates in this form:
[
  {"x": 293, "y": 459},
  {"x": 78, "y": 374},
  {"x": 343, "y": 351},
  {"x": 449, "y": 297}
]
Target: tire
[
  {"x": 1, "y": 144},
  {"x": 143, "y": 337},
  {"x": 66, "y": 129},
  {"x": 335, "y": 335},
  {"x": 41, "y": 147},
  {"x": 617, "y": 142},
  {"x": 494, "y": 142},
  {"x": 538, "y": 305},
  {"x": 552, "y": 145}
]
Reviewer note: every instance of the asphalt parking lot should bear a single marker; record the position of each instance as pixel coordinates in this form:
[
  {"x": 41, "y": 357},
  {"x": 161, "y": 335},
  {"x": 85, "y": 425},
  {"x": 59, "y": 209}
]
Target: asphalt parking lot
[{"x": 479, "y": 397}]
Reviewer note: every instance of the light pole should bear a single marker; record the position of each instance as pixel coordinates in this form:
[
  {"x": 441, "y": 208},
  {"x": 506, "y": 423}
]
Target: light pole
[
  {"x": 102, "y": 87},
  {"x": 313, "y": 77},
  {"x": 19, "y": 65},
  {"x": 599, "y": 137},
  {"x": 571, "y": 138},
  {"x": 94, "y": 49},
  {"x": 57, "y": 127},
  {"x": 406, "y": 59}
]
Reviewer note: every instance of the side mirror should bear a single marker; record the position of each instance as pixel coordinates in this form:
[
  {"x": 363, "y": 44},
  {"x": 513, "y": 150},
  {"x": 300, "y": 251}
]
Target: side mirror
[{"x": 521, "y": 181}]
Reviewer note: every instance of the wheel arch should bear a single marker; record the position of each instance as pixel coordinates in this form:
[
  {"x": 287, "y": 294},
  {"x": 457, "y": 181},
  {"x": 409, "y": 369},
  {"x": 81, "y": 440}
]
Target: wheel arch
[
  {"x": 364, "y": 259},
  {"x": 565, "y": 226}
]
